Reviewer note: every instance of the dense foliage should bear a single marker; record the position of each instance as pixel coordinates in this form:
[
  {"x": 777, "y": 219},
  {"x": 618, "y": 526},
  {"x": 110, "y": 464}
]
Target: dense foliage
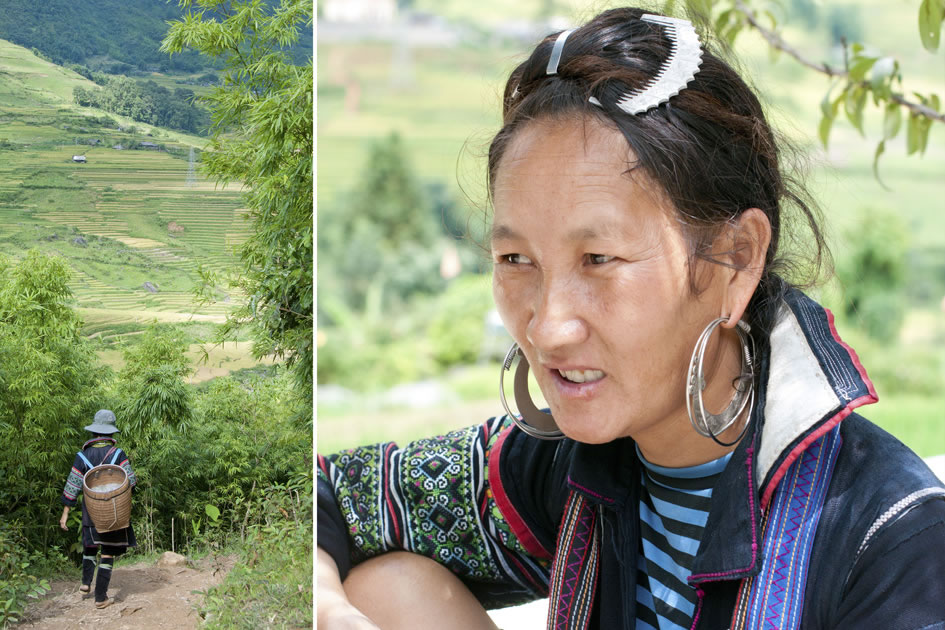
[
  {"x": 49, "y": 384},
  {"x": 206, "y": 459},
  {"x": 146, "y": 101},
  {"x": 117, "y": 36},
  {"x": 263, "y": 135}
]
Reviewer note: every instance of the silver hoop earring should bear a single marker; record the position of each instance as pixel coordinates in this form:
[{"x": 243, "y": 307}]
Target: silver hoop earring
[
  {"x": 712, "y": 425},
  {"x": 530, "y": 418}
]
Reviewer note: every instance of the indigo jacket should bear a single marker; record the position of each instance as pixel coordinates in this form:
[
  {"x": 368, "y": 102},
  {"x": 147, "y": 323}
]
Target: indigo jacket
[{"x": 488, "y": 502}]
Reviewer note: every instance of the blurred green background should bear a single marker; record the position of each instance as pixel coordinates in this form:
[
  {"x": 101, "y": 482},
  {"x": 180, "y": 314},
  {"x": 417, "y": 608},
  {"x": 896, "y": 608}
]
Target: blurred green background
[{"x": 406, "y": 108}]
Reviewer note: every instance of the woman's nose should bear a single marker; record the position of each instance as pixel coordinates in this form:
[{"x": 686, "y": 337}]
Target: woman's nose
[{"x": 556, "y": 322}]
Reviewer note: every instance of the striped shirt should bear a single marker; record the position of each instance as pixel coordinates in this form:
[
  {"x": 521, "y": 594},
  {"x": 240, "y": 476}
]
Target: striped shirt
[{"x": 674, "y": 506}]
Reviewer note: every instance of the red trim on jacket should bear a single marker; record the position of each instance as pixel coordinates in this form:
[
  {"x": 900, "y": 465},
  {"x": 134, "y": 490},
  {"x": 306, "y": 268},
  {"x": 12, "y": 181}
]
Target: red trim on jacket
[{"x": 512, "y": 517}]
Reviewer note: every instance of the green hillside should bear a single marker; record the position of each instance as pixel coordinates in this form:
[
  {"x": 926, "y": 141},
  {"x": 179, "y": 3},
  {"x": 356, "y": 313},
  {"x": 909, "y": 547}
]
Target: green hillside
[
  {"x": 122, "y": 218},
  {"x": 118, "y": 36}
]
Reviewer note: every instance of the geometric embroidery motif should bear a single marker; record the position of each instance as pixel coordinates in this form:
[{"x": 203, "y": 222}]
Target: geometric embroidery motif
[
  {"x": 442, "y": 518},
  {"x": 435, "y": 466},
  {"x": 432, "y": 498}
]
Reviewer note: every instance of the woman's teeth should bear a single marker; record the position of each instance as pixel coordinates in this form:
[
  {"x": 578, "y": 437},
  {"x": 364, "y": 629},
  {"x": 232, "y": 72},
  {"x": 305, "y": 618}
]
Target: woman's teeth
[{"x": 581, "y": 376}]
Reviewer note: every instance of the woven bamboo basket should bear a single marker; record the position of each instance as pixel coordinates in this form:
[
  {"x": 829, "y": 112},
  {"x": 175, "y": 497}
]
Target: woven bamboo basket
[{"x": 110, "y": 510}]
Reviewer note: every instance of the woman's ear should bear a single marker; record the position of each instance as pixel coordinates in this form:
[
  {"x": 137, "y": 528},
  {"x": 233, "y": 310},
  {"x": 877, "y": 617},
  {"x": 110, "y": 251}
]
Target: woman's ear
[{"x": 748, "y": 237}]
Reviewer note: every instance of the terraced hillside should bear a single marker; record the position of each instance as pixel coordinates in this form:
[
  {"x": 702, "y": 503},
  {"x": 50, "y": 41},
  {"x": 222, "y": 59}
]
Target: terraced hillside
[{"x": 133, "y": 224}]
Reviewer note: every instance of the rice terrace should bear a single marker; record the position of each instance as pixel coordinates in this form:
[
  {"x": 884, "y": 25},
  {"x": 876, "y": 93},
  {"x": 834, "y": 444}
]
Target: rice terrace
[{"x": 123, "y": 202}]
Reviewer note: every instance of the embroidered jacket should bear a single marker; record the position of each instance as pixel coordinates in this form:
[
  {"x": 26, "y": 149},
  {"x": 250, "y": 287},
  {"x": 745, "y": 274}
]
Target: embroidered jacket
[{"x": 497, "y": 506}]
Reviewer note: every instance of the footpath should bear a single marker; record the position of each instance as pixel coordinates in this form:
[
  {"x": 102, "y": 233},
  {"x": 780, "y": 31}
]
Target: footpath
[{"x": 160, "y": 595}]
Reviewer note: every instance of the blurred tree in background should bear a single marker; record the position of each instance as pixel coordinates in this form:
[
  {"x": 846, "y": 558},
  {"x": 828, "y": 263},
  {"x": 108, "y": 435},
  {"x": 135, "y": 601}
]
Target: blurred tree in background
[{"x": 873, "y": 272}]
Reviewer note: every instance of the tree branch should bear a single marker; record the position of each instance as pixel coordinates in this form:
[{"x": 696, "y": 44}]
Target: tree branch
[{"x": 777, "y": 42}]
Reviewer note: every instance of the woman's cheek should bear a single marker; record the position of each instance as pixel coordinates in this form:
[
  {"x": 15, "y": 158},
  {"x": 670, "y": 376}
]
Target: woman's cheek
[{"x": 510, "y": 295}]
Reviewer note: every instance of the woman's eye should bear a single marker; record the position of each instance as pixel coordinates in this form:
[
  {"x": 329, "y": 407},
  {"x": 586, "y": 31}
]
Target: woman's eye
[
  {"x": 598, "y": 259},
  {"x": 515, "y": 259}
]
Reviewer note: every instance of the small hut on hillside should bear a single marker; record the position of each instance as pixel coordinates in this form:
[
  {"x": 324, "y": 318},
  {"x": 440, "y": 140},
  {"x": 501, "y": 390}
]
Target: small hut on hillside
[{"x": 79, "y": 158}]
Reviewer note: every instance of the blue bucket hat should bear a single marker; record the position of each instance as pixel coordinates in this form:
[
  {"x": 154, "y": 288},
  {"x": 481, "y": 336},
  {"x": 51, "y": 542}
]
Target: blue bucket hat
[{"x": 104, "y": 423}]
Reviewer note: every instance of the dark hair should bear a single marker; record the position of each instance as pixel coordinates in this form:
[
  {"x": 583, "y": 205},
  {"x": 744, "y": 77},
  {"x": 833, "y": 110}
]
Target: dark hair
[{"x": 710, "y": 147}]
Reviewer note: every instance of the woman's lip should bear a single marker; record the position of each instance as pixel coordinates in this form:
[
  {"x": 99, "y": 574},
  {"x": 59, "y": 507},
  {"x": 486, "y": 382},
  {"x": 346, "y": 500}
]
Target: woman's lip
[{"x": 570, "y": 389}]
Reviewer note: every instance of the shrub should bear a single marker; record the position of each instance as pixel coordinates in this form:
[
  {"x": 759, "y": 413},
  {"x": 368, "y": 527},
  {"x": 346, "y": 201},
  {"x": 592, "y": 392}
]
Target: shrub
[
  {"x": 456, "y": 330},
  {"x": 17, "y": 584}
]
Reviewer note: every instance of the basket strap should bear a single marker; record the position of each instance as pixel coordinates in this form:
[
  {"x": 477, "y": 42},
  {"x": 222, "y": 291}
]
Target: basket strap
[
  {"x": 117, "y": 455},
  {"x": 86, "y": 460}
]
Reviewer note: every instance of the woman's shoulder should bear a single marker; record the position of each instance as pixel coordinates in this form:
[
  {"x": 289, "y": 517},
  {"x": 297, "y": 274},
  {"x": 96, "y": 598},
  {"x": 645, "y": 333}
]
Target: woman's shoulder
[{"x": 878, "y": 480}]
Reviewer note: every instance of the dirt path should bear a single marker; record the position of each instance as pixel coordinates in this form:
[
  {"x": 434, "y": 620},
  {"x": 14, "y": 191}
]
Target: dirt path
[{"x": 146, "y": 596}]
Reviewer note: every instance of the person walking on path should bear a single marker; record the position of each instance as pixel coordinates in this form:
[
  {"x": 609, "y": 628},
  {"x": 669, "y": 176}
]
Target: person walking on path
[{"x": 101, "y": 449}]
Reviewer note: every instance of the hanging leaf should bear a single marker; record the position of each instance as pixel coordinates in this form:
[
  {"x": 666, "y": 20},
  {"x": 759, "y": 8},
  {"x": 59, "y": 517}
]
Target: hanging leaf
[
  {"x": 912, "y": 135},
  {"x": 892, "y": 120},
  {"x": 213, "y": 512},
  {"x": 880, "y": 149},
  {"x": 853, "y": 105},
  {"x": 881, "y": 76},
  {"x": 925, "y": 126},
  {"x": 860, "y": 66},
  {"x": 823, "y": 130},
  {"x": 930, "y": 23}
]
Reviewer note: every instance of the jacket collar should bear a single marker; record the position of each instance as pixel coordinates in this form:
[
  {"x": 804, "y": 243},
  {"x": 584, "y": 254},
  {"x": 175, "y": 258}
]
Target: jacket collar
[
  {"x": 809, "y": 381},
  {"x": 98, "y": 440}
]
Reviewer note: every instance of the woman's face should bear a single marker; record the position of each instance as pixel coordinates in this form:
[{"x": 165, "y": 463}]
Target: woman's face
[{"x": 591, "y": 279}]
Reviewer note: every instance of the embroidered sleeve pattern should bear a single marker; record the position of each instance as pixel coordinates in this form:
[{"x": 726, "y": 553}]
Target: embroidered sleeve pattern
[
  {"x": 432, "y": 498},
  {"x": 125, "y": 463},
  {"x": 73, "y": 487}
]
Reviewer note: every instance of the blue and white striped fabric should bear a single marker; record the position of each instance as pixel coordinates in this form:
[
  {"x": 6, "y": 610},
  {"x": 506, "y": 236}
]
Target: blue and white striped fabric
[{"x": 674, "y": 506}]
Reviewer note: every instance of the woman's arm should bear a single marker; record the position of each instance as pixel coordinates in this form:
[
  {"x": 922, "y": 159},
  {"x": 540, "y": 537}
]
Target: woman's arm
[{"x": 334, "y": 611}]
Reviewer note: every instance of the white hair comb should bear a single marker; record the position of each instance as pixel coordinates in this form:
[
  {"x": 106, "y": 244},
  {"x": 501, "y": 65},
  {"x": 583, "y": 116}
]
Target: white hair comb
[{"x": 675, "y": 72}]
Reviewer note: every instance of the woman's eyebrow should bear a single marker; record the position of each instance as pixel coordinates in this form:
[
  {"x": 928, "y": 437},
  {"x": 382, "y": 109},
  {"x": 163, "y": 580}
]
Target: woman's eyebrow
[{"x": 503, "y": 232}]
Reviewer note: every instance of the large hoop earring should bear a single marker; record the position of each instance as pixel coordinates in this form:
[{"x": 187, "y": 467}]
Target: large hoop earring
[
  {"x": 712, "y": 425},
  {"x": 530, "y": 418}
]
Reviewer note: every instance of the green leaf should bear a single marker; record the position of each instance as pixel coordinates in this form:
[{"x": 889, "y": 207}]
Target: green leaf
[
  {"x": 826, "y": 109},
  {"x": 931, "y": 13},
  {"x": 912, "y": 135},
  {"x": 853, "y": 105},
  {"x": 892, "y": 121},
  {"x": 880, "y": 148},
  {"x": 883, "y": 70},
  {"x": 860, "y": 66},
  {"x": 213, "y": 512},
  {"x": 925, "y": 126},
  {"x": 823, "y": 130}
]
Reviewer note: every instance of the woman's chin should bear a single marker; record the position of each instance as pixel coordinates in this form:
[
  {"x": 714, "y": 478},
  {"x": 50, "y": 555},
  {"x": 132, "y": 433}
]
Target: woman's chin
[{"x": 581, "y": 430}]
